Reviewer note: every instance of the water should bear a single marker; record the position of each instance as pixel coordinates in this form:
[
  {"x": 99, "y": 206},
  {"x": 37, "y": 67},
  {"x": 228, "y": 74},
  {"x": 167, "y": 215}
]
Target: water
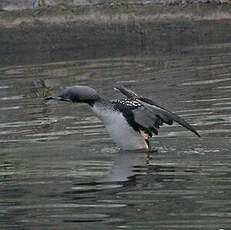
[{"x": 60, "y": 170}]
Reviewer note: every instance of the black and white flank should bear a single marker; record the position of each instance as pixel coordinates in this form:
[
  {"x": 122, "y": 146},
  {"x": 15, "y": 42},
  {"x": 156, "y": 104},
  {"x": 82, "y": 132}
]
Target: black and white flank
[{"x": 130, "y": 122}]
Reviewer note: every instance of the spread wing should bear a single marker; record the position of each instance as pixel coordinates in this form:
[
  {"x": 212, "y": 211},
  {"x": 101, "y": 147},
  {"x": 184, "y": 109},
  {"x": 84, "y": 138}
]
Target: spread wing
[{"x": 151, "y": 116}]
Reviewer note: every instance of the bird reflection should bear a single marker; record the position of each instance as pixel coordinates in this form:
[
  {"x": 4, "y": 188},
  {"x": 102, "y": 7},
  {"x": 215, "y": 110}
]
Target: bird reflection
[{"x": 124, "y": 165}]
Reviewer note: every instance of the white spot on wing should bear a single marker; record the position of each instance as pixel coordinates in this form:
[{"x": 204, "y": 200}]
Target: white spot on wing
[{"x": 130, "y": 103}]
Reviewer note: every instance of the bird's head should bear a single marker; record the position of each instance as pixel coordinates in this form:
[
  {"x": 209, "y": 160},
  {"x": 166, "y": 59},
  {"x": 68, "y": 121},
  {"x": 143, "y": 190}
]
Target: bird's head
[{"x": 77, "y": 94}]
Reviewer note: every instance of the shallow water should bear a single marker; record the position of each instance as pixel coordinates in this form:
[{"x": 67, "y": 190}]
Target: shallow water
[{"x": 60, "y": 170}]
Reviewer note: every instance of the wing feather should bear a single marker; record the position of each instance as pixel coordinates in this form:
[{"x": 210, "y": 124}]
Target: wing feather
[{"x": 151, "y": 115}]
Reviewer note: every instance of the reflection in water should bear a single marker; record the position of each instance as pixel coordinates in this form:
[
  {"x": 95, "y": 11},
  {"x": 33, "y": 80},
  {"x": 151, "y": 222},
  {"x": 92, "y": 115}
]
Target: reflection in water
[
  {"x": 59, "y": 171},
  {"x": 124, "y": 165}
]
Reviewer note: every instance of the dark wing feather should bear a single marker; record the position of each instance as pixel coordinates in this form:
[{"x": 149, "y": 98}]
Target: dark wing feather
[
  {"x": 127, "y": 92},
  {"x": 147, "y": 120},
  {"x": 171, "y": 116},
  {"x": 151, "y": 115}
]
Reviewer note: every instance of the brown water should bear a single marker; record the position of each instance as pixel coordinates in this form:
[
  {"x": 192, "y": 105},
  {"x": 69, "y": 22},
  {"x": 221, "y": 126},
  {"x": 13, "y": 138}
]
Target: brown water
[{"x": 60, "y": 170}]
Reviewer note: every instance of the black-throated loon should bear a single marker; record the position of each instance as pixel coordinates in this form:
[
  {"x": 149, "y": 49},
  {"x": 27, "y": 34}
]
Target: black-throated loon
[{"x": 131, "y": 121}]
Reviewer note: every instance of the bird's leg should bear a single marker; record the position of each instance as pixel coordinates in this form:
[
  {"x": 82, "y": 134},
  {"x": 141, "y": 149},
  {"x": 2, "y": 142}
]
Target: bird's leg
[
  {"x": 147, "y": 158},
  {"x": 148, "y": 155}
]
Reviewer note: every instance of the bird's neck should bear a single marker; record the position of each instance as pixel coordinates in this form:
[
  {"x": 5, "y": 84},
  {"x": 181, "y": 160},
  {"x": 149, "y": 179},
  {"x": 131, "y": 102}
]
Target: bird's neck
[{"x": 99, "y": 100}]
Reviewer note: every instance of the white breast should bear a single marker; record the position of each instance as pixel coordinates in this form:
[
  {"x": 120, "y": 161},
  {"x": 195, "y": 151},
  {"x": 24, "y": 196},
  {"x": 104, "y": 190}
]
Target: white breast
[{"x": 119, "y": 129}]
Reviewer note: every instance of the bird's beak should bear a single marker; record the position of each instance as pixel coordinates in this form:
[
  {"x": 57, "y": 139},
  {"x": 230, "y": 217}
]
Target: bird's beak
[{"x": 57, "y": 98}]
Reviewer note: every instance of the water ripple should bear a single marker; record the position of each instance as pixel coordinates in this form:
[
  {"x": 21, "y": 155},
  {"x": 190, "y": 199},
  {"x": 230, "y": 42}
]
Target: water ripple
[{"x": 58, "y": 165}]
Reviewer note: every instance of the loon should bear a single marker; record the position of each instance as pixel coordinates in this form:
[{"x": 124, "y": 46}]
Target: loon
[{"x": 130, "y": 122}]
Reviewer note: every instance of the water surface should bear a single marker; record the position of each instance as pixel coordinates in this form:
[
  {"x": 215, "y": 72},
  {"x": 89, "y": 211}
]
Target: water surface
[{"x": 60, "y": 170}]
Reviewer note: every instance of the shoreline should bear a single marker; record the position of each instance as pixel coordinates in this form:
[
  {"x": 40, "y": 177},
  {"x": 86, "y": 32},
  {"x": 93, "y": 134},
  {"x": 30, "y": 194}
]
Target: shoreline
[
  {"x": 107, "y": 14},
  {"x": 73, "y": 33}
]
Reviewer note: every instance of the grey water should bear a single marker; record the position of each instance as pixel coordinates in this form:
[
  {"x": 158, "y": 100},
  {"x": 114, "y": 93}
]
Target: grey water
[{"x": 60, "y": 170}]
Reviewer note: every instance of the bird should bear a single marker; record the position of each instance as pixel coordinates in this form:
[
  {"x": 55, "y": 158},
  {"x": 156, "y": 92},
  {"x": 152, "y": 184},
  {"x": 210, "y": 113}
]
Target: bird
[{"x": 131, "y": 121}]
